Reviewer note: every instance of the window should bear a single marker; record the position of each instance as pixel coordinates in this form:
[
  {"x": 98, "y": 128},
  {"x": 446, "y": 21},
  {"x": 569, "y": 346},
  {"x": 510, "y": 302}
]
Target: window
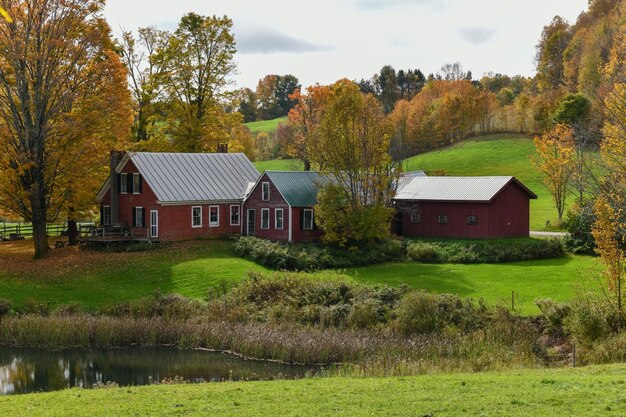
[
  {"x": 265, "y": 218},
  {"x": 307, "y": 222},
  {"x": 234, "y": 216},
  {"x": 472, "y": 220},
  {"x": 123, "y": 184},
  {"x": 139, "y": 217},
  {"x": 416, "y": 217},
  {"x": 136, "y": 183},
  {"x": 214, "y": 216},
  {"x": 443, "y": 219},
  {"x": 196, "y": 216},
  {"x": 278, "y": 221},
  {"x": 106, "y": 215},
  {"x": 265, "y": 191}
]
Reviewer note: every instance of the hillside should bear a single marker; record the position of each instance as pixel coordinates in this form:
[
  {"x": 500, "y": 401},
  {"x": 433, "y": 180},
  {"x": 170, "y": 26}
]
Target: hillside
[
  {"x": 587, "y": 391},
  {"x": 268, "y": 126}
]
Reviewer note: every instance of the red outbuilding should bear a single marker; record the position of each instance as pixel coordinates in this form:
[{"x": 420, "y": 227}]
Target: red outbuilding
[
  {"x": 174, "y": 196},
  {"x": 280, "y": 207},
  {"x": 463, "y": 207}
]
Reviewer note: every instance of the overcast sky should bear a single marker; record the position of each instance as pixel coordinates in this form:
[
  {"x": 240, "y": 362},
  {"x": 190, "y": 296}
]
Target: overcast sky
[{"x": 325, "y": 40}]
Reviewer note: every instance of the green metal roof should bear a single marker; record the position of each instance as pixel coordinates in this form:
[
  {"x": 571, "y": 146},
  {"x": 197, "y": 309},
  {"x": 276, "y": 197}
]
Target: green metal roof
[{"x": 298, "y": 188}]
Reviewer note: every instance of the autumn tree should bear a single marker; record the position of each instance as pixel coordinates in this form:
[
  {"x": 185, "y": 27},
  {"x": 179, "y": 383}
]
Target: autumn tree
[
  {"x": 305, "y": 118},
  {"x": 555, "y": 153},
  {"x": 273, "y": 94},
  {"x": 63, "y": 100},
  {"x": 145, "y": 65},
  {"x": 550, "y": 49},
  {"x": 198, "y": 63},
  {"x": 351, "y": 145}
]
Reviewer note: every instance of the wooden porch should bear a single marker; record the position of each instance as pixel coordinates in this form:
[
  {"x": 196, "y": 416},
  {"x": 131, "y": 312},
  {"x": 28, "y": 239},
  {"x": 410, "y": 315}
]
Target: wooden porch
[{"x": 115, "y": 234}]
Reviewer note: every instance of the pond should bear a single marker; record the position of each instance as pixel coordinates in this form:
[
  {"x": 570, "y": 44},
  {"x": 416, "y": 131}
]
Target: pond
[{"x": 26, "y": 370}]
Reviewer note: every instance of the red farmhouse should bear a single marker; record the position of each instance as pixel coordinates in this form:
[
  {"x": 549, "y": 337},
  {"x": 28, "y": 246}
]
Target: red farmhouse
[
  {"x": 464, "y": 207},
  {"x": 176, "y": 196},
  {"x": 280, "y": 207}
]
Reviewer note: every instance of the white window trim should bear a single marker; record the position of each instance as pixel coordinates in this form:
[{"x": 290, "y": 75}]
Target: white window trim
[
  {"x": 263, "y": 210},
  {"x": 123, "y": 183},
  {"x": 154, "y": 226},
  {"x": 143, "y": 222},
  {"x": 263, "y": 191},
  {"x": 214, "y": 224},
  {"x": 282, "y": 219},
  {"x": 231, "y": 215},
  {"x": 192, "y": 209},
  {"x": 136, "y": 175},
  {"x": 304, "y": 225}
]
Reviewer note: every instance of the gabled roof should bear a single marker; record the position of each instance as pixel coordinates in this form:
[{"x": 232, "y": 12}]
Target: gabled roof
[
  {"x": 475, "y": 189},
  {"x": 298, "y": 188},
  {"x": 192, "y": 177}
]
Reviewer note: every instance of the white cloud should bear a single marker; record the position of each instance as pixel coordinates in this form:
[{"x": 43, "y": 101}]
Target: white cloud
[
  {"x": 264, "y": 40},
  {"x": 477, "y": 35}
]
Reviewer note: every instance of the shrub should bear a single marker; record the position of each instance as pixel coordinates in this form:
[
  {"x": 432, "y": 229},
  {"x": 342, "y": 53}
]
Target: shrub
[
  {"x": 591, "y": 319},
  {"x": 309, "y": 256},
  {"x": 5, "y": 308},
  {"x": 484, "y": 251},
  {"x": 553, "y": 314},
  {"x": 578, "y": 224}
]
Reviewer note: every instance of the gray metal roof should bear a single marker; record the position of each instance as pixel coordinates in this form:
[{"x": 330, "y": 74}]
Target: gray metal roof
[
  {"x": 195, "y": 177},
  {"x": 481, "y": 189},
  {"x": 299, "y": 188},
  {"x": 406, "y": 177}
]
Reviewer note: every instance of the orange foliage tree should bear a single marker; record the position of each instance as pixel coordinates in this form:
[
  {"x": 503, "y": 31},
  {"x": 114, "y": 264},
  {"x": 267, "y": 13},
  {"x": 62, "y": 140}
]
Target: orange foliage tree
[{"x": 63, "y": 102}]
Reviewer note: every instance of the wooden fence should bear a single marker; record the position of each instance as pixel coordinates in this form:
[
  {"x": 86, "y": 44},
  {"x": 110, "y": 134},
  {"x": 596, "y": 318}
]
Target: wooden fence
[{"x": 26, "y": 229}]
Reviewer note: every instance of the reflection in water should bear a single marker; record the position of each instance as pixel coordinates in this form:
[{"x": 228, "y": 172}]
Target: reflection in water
[{"x": 23, "y": 371}]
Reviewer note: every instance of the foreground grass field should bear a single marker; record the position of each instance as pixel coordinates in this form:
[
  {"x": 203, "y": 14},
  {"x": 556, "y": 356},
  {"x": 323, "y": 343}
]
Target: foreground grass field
[
  {"x": 589, "y": 391},
  {"x": 268, "y": 126},
  {"x": 494, "y": 155},
  {"x": 94, "y": 279}
]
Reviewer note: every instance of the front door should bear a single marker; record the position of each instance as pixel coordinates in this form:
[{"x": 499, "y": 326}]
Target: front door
[
  {"x": 251, "y": 221},
  {"x": 154, "y": 223}
]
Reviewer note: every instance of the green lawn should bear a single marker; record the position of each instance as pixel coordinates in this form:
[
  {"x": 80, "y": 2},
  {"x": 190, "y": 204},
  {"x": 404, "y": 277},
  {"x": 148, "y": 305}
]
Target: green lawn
[
  {"x": 494, "y": 155},
  {"x": 279, "y": 165},
  {"x": 190, "y": 268},
  {"x": 588, "y": 391},
  {"x": 265, "y": 125},
  {"x": 93, "y": 279},
  {"x": 559, "y": 279}
]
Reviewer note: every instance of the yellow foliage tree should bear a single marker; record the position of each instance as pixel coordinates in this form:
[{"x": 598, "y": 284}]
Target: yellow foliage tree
[{"x": 555, "y": 158}]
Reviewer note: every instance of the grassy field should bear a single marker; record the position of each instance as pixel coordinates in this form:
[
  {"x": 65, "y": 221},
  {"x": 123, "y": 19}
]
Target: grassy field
[
  {"x": 94, "y": 279},
  {"x": 265, "y": 125},
  {"x": 588, "y": 391},
  {"x": 494, "y": 155},
  {"x": 279, "y": 165}
]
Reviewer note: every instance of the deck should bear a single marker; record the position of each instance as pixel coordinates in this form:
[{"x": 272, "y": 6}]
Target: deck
[{"x": 113, "y": 234}]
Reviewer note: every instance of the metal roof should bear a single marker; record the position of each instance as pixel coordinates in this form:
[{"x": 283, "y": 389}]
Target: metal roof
[
  {"x": 406, "y": 177},
  {"x": 194, "y": 177},
  {"x": 479, "y": 189},
  {"x": 298, "y": 188}
]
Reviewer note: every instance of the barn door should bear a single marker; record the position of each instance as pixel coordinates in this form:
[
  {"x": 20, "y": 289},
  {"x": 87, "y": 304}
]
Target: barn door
[
  {"x": 154, "y": 223},
  {"x": 251, "y": 222}
]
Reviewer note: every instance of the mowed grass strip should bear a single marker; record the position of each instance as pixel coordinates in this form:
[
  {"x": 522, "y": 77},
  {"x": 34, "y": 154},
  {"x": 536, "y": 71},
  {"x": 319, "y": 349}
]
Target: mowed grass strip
[
  {"x": 93, "y": 279},
  {"x": 589, "y": 391},
  {"x": 268, "y": 126},
  {"x": 279, "y": 165}
]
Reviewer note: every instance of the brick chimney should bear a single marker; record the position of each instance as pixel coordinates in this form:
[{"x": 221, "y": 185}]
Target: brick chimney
[
  {"x": 222, "y": 148},
  {"x": 116, "y": 157}
]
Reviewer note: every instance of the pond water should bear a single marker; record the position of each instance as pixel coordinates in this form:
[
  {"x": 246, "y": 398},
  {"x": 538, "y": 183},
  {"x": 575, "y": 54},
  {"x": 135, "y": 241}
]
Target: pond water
[{"x": 25, "y": 370}]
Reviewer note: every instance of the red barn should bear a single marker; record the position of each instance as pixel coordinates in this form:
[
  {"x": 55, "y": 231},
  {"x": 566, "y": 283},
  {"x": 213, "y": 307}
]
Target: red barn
[
  {"x": 175, "y": 196},
  {"x": 463, "y": 207},
  {"x": 280, "y": 207}
]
